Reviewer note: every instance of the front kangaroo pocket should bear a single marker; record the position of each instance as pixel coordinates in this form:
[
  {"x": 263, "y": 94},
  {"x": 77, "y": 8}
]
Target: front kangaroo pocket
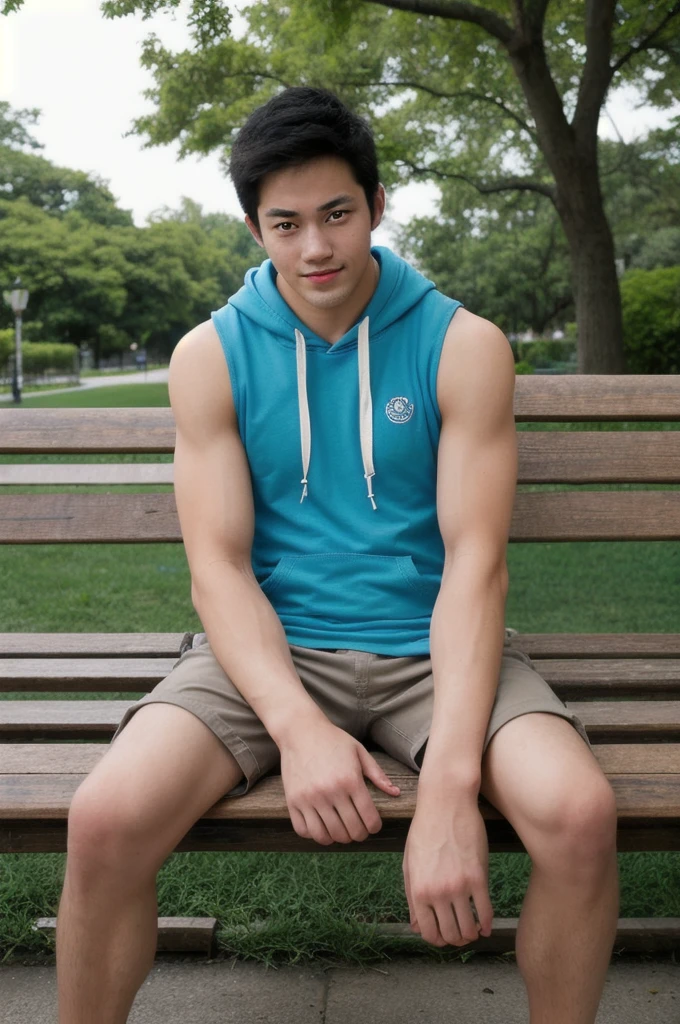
[{"x": 347, "y": 588}]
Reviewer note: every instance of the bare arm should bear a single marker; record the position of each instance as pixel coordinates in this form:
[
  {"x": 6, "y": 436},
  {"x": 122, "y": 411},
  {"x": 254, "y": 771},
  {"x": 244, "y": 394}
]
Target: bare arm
[
  {"x": 215, "y": 505},
  {"x": 446, "y": 855},
  {"x": 477, "y": 473},
  {"x": 322, "y": 766}
]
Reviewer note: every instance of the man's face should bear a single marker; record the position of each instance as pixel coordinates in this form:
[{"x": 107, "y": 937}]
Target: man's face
[{"x": 315, "y": 226}]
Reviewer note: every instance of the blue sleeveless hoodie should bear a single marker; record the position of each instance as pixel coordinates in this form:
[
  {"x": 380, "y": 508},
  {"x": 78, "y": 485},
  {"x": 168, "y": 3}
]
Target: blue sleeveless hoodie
[{"x": 342, "y": 445}]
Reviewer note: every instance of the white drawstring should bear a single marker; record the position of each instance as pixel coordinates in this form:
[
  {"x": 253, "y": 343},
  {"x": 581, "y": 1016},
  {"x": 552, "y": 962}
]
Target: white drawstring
[
  {"x": 365, "y": 409},
  {"x": 303, "y": 404}
]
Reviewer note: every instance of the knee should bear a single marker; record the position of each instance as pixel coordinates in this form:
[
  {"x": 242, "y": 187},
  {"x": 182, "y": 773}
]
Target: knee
[
  {"x": 579, "y": 831},
  {"x": 103, "y": 834}
]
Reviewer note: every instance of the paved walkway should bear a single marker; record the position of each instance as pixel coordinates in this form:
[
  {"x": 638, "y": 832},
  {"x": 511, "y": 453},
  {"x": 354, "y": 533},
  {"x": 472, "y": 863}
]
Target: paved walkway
[
  {"x": 105, "y": 381},
  {"x": 484, "y": 990}
]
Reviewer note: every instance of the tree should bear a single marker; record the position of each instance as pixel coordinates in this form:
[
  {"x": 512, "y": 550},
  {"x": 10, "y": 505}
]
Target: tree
[{"x": 504, "y": 95}]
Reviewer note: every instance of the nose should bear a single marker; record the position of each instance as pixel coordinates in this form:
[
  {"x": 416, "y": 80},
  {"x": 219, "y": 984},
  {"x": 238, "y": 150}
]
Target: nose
[{"x": 316, "y": 247}]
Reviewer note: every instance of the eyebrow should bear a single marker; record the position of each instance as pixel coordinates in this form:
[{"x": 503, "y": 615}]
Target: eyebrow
[{"x": 338, "y": 201}]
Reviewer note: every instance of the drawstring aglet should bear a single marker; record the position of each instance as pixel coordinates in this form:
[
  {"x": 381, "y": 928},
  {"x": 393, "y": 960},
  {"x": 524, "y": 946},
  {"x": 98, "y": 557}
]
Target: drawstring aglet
[
  {"x": 304, "y": 489},
  {"x": 368, "y": 477}
]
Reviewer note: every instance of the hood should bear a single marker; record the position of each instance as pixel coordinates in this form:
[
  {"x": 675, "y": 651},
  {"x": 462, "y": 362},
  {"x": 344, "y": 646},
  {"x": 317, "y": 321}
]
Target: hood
[{"x": 399, "y": 288}]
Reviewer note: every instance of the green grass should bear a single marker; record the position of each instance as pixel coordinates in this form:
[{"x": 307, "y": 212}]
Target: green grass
[
  {"x": 288, "y": 908},
  {"x": 128, "y": 395}
]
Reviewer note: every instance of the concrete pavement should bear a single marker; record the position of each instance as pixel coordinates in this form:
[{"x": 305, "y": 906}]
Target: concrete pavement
[
  {"x": 485, "y": 990},
  {"x": 105, "y": 381}
]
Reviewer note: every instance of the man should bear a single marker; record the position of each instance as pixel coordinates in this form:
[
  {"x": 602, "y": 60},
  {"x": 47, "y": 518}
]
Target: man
[{"x": 345, "y": 470}]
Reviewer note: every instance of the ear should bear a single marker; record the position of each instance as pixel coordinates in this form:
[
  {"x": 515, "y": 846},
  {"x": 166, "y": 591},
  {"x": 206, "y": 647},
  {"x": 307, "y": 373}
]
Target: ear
[
  {"x": 252, "y": 227},
  {"x": 378, "y": 206}
]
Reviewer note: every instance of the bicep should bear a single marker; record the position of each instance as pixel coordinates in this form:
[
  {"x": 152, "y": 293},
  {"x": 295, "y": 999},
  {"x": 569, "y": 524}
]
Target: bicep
[
  {"x": 213, "y": 488},
  {"x": 477, "y": 459}
]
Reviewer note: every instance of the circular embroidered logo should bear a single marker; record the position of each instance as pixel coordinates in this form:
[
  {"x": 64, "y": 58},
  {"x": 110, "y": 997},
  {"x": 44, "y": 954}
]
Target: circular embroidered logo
[{"x": 399, "y": 410}]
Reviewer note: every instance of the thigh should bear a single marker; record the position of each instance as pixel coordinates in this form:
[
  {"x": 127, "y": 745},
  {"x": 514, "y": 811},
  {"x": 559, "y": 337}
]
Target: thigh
[{"x": 176, "y": 752}]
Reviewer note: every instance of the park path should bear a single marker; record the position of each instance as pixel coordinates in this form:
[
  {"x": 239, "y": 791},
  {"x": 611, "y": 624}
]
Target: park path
[{"x": 105, "y": 381}]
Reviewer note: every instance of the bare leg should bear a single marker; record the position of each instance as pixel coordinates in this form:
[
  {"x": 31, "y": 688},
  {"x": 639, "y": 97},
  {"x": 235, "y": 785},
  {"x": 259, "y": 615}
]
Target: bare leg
[
  {"x": 125, "y": 820},
  {"x": 540, "y": 774}
]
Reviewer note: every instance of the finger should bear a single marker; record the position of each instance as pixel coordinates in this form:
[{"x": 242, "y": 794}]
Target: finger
[
  {"x": 429, "y": 925},
  {"x": 466, "y": 924},
  {"x": 374, "y": 772},
  {"x": 315, "y": 827},
  {"x": 407, "y": 890},
  {"x": 333, "y": 822},
  {"x": 350, "y": 818},
  {"x": 484, "y": 909},
  {"x": 366, "y": 809}
]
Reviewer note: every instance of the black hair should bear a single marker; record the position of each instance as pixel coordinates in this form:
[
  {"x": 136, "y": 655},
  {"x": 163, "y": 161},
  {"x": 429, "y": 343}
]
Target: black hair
[{"x": 297, "y": 125}]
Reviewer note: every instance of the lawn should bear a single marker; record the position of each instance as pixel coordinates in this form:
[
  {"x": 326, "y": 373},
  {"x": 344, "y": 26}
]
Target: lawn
[{"x": 294, "y": 907}]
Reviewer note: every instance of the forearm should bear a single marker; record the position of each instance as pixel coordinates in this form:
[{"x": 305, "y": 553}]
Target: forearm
[
  {"x": 249, "y": 642},
  {"x": 466, "y": 645}
]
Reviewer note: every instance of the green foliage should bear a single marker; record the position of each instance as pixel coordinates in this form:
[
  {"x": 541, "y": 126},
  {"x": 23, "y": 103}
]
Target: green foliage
[
  {"x": 544, "y": 352},
  {"x": 47, "y": 357},
  {"x": 94, "y": 278},
  {"x": 651, "y": 320},
  {"x": 661, "y": 249},
  {"x": 523, "y": 367}
]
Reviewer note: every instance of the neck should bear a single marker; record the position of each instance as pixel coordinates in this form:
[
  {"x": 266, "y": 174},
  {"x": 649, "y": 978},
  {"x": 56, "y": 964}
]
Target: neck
[{"x": 332, "y": 324}]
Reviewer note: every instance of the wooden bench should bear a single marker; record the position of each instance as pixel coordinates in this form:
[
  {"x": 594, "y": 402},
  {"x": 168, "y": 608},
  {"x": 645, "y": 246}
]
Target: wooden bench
[{"x": 625, "y": 687}]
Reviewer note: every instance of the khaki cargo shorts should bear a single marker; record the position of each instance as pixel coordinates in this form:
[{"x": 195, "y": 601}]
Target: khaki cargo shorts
[{"x": 382, "y": 698}]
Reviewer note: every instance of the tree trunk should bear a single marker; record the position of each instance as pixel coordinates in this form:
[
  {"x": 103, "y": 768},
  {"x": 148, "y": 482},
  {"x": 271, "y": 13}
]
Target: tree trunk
[{"x": 596, "y": 288}]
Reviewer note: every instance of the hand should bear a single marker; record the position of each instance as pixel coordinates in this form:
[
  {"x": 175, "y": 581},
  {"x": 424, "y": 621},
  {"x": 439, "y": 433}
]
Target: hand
[
  {"x": 323, "y": 770},
  {"x": 446, "y": 862}
]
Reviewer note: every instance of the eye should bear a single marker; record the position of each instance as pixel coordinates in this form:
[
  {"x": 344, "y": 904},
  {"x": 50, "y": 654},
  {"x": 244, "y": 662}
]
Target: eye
[
  {"x": 285, "y": 224},
  {"x": 338, "y": 213}
]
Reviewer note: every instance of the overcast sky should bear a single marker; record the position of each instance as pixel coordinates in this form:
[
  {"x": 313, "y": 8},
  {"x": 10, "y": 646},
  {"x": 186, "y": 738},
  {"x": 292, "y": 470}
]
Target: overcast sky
[{"x": 83, "y": 73}]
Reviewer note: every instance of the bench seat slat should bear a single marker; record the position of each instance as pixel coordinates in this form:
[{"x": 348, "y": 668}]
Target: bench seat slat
[
  {"x": 572, "y": 678},
  {"x": 639, "y": 797},
  {"x": 75, "y": 758},
  {"x": 103, "y": 645},
  {"x": 536, "y": 645},
  {"x": 141, "y": 518},
  {"x": 624, "y": 716}
]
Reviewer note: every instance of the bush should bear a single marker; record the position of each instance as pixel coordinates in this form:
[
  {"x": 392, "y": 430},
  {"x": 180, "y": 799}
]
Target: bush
[
  {"x": 39, "y": 358},
  {"x": 651, "y": 320},
  {"x": 546, "y": 351},
  {"x": 523, "y": 367}
]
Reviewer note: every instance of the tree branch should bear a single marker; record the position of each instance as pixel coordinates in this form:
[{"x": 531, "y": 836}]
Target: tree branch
[
  {"x": 462, "y": 94},
  {"x": 644, "y": 43},
  {"x": 456, "y": 10},
  {"x": 502, "y": 185},
  {"x": 597, "y": 71}
]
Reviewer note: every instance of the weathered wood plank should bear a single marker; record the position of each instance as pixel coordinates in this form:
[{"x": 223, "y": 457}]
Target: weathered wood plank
[
  {"x": 86, "y": 431},
  {"x": 581, "y": 457},
  {"x": 639, "y": 797},
  {"x": 141, "y": 518},
  {"x": 138, "y": 645},
  {"x": 579, "y": 397},
  {"x": 81, "y": 719},
  {"x": 538, "y": 397},
  {"x": 572, "y": 678},
  {"x": 91, "y": 645},
  {"x": 80, "y": 758},
  {"x": 32, "y": 836}
]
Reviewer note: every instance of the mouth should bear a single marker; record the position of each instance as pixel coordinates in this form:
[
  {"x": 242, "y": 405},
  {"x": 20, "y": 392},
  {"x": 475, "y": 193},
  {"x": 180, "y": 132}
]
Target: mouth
[{"x": 322, "y": 276}]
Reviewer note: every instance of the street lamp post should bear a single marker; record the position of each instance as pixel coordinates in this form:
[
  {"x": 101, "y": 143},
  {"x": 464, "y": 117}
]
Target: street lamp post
[{"x": 18, "y": 300}]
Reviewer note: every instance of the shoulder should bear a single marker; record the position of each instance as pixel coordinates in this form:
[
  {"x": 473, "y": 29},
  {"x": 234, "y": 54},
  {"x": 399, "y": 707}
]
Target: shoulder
[
  {"x": 198, "y": 382},
  {"x": 477, "y": 367}
]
